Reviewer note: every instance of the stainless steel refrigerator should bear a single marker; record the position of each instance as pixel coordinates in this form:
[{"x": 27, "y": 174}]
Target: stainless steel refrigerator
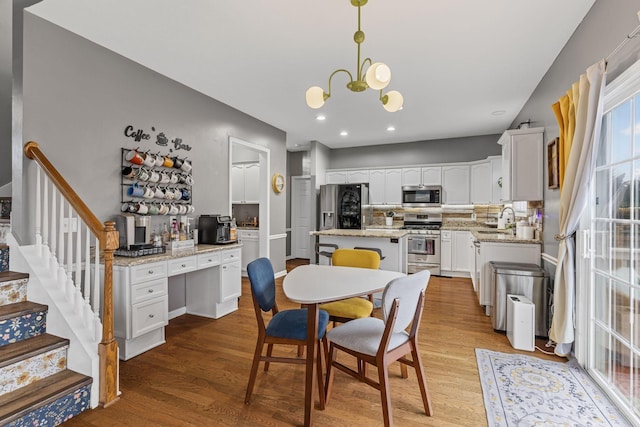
[{"x": 344, "y": 206}]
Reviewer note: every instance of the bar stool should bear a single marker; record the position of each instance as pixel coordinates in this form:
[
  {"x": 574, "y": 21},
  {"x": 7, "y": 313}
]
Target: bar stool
[
  {"x": 372, "y": 249},
  {"x": 325, "y": 253}
]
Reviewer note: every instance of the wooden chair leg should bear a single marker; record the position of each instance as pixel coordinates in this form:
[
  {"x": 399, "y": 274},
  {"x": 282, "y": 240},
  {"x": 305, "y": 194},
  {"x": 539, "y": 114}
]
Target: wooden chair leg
[
  {"x": 417, "y": 364},
  {"x": 319, "y": 373},
  {"x": 269, "y": 351},
  {"x": 385, "y": 394},
  {"x": 330, "y": 372},
  {"x": 300, "y": 350},
  {"x": 254, "y": 369},
  {"x": 403, "y": 371}
]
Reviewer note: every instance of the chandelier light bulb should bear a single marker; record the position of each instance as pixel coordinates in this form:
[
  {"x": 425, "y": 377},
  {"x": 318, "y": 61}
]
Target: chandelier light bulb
[
  {"x": 378, "y": 76},
  {"x": 392, "y": 101},
  {"x": 315, "y": 97}
]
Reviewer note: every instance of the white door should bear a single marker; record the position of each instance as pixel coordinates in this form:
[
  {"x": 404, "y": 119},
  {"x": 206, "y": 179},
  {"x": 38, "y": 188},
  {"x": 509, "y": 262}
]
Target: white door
[{"x": 300, "y": 217}]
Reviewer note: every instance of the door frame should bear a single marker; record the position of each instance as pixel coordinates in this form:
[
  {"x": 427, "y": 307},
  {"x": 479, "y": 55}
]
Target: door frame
[
  {"x": 264, "y": 156},
  {"x": 295, "y": 181}
]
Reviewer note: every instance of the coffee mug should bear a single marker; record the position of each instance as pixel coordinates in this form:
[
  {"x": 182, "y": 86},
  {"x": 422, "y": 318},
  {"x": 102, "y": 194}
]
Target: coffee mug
[
  {"x": 186, "y": 166},
  {"x": 124, "y": 207},
  {"x": 135, "y": 190},
  {"x": 154, "y": 209},
  {"x": 173, "y": 209},
  {"x": 168, "y": 162},
  {"x": 191, "y": 209},
  {"x": 143, "y": 174},
  {"x": 142, "y": 208},
  {"x": 177, "y": 194},
  {"x": 186, "y": 194},
  {"x": 173, "y": 178},
  {"x": 148, "y": 193},
  {"x": 188, "y": 180},
  {"x": 159, "y": 194},
  {"x": 133, "y": 207},
  {"x": 164, "y": 178},
  {"x": 168, "y": 194},
  {"x": 134, "y": 157},
  {"x": 163, "y": 209},
  {"x": 159, "y": 159},
  {"x": 154, "y": 176},
  {"x": 128, "y": 172},
  {"x": 149, "y": 160},
  {"x": 182, "y": 209},
  {"x": 177, "y": 163}
]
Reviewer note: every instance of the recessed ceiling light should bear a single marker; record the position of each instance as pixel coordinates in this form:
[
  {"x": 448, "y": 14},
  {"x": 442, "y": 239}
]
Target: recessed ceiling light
[
  {"x": 391, "y": 128},
  {"x": 344, "y": 133},
  {"x": 320, "y": 117},
  {"x": 498, "y": 112}
]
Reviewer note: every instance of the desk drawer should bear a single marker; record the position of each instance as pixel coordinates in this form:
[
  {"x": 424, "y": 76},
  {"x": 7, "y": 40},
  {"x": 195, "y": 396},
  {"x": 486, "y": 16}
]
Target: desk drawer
[
  {"x": 149, "y": 315},
  {"x": 148, "y": 290},
  {"x": 230, "y": 256},
  {"x": 182, "y": 265},
  {"x": 144, "y": 272},
  {"x": 207, "y": 260}
]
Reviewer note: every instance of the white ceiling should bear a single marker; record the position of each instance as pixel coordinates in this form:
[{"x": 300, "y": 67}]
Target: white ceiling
[{"x": 455, "y": 62}]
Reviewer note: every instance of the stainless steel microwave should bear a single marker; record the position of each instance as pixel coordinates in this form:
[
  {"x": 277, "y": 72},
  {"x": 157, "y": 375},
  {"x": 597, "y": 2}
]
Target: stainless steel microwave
[{"x": 420, "y": 196}]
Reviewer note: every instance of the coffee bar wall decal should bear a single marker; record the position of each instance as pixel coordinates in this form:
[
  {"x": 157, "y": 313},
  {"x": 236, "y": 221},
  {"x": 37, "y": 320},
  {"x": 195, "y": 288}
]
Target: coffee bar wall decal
[{"x": 139, "y": 135}]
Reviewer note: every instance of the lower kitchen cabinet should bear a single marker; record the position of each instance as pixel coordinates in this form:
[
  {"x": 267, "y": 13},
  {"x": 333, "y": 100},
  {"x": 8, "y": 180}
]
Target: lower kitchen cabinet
[
  {"x": 250, "y": 240},
  {"x": 457, "y": 253},
  {"x": 141, "y": 298}
]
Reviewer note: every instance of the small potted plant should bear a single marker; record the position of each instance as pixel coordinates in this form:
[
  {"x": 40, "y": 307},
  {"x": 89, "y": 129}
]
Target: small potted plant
[{"x": 389, "y": 217}]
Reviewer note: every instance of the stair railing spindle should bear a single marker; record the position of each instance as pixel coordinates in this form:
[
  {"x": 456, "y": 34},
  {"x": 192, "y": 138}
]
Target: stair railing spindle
[
  {"x": 61, "y": 249},
  {"x": 96, "y": 290},
  {"x": 45, "y": 215},
  {"x": 78, "y": 274},
  {"x": 38, "y": 219},
  {"x": 69, "y": 257},
  {"x": 53, "y": 262}
]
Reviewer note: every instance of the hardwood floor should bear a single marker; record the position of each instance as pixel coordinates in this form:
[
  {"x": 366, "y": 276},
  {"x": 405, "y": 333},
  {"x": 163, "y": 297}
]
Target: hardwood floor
[{"x": 199, "y": 376}]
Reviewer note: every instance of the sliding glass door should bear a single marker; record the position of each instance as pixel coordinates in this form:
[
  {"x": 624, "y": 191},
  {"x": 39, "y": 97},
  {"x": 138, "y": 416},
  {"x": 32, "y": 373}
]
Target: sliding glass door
[{"x": 614, "y": 329}]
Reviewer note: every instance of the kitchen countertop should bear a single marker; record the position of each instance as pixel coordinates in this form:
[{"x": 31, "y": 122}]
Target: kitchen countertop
[
  {"x": 393, "y": 233},
  {"x": 197, "y": 250},
  {"x": 488, "y": 234}
]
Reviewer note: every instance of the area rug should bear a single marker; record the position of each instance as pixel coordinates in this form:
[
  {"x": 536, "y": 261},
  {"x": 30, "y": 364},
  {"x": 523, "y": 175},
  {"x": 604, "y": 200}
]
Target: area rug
[{"x": 521, "y": 390}]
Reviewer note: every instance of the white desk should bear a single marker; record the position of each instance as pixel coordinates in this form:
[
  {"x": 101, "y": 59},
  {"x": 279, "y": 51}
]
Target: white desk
[{"x": 313, "y": 284}]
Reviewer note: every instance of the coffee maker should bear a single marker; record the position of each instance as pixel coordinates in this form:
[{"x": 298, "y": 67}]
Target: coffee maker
[
  {"x": 133, "y": 230},
  {"x": 214, "y": 230}
]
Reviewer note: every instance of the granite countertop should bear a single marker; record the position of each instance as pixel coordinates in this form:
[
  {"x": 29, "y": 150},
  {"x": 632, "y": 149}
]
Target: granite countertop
[
  {"x": 197, "y": 250},
  {"x": 248, "y": 228},
  {"x": 393, "y": 233},
  {"x": 488, "y": 234}
]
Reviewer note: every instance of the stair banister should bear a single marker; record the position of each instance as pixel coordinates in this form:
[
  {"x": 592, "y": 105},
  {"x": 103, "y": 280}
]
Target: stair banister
[{"x": 108, "y": 238}]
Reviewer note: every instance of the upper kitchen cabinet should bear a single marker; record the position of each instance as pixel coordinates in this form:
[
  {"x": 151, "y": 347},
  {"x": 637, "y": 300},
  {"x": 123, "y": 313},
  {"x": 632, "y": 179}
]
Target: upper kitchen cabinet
[
  {"x": 385, "y": 186},
  {"x": 347, "y": 176},
  {"x": 431, "y": 175},
  {"x": 245, "y": 183},
  {"x": 522, "y": 167},
  {"x": 455, "y": 184},
  {"x": 485, "y": 181}
]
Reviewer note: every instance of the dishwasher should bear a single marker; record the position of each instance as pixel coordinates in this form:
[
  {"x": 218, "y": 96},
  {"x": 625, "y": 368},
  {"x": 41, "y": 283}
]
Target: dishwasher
[{"x": 516, "y": 278}]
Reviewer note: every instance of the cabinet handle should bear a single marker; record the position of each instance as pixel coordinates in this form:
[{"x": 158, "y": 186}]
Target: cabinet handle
[
  {"x": 151, "y": 316},
  {"x": 150, "y": 271},
  {"x": 209, "y": 260},
  {"x": 150, "y": 291},
  {"x": 184, "y": 265}
]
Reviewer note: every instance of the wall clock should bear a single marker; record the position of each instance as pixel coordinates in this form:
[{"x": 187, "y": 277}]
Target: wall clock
[{"x": 277, "y": 183}]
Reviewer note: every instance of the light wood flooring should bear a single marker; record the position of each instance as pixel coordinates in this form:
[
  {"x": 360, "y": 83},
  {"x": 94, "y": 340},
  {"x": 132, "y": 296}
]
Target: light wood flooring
[{"x": 199, "y": 377}]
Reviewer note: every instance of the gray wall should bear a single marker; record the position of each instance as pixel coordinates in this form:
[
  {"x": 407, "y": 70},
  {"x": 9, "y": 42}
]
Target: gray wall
[
  {"x": 605, "y": 26},
  {"x": 6, "y": 84},
  {"x": 79, "y": 97},
  {"x": 414, "y": 153}
]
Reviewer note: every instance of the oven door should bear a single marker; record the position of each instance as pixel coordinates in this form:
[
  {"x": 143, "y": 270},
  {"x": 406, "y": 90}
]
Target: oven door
[{"x": 428, "y": 245}]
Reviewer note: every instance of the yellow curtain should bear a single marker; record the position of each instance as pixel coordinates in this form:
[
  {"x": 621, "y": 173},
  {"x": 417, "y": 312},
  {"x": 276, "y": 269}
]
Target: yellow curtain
[{"x": 565, "y": 111}]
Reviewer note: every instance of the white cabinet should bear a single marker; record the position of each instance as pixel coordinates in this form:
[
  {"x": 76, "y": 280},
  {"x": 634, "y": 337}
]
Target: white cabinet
[
  {"x": 245, "y": 183},
  {"x": 385, "y": 186},
  {"x": 430, "y": 175},
  {"x": 481, "y": 183},
  {"x": 347, "y": 176},
  {"x": 456, "y": 249},
  {"x": 522, "y": 164},
  {"x": 141, "y": 299},
  {"x": 496, "y": 180},
  {"x": 446, "y": 246},
  {"x": 455, "y": 184},
  {"x": 250, "y": 240}
]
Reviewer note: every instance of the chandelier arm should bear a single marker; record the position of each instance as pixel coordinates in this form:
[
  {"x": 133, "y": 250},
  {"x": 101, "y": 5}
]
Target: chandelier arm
[
  {"x": 361, "y": 69},
  {"x": 334, "y": 73}
]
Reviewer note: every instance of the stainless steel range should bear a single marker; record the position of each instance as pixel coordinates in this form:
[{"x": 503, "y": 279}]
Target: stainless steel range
[{"x": 424, "y": 242}]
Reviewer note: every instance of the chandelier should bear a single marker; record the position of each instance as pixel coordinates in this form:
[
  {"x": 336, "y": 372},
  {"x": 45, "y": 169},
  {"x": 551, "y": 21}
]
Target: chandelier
[{"x": 377, "y": 77}]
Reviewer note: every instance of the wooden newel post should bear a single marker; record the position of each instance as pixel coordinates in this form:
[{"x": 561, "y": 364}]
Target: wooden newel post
[{"x": 108, "y": 348}]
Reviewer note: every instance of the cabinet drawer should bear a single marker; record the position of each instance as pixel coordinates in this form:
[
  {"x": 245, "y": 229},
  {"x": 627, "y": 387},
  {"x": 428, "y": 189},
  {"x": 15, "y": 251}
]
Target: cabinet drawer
[
  {"x": 149, "y": 315},
  {"x": 230, "y": 256},
  {"x": 248, "y": 234},
  {"x": 208, "y": 260},
  {"x": 144, "y": 272},
  {"x": 182, "y": 265},
  {"x": 445, "y": 234},
  {"x": 147, "y": 290}
]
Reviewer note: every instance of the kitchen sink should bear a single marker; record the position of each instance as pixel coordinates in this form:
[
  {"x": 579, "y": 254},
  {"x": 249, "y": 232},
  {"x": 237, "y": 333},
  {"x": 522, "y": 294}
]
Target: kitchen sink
[{"x": 490, "y": 232}]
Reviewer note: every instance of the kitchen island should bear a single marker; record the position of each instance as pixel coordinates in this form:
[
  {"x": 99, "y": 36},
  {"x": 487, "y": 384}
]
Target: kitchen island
[{"x": 391, "y": 241}]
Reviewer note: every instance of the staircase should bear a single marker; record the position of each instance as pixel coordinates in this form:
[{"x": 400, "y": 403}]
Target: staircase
[{"x": 36, "y": 388}]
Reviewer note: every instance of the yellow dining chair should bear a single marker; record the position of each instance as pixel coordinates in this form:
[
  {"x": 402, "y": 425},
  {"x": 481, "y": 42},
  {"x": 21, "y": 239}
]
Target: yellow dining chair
[{"x": 352, "y": 308}]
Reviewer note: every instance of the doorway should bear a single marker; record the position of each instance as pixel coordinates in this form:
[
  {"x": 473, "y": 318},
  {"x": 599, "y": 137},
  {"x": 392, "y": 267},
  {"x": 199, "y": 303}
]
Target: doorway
[
  {"x": 263, "y": 158},
  {"x": 300, "y": 216}
]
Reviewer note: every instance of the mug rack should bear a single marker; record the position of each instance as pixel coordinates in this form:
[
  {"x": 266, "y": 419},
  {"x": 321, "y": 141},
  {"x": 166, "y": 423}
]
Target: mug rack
[{"x": 155, "y": 184}]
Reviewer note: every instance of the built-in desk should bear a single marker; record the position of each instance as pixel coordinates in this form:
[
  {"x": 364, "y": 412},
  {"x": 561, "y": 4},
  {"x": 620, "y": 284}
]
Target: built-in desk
[{"x": 140, "y": 291}]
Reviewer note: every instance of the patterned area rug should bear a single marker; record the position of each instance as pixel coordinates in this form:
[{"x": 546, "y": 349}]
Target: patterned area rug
[{"x": 522, "y": 390}]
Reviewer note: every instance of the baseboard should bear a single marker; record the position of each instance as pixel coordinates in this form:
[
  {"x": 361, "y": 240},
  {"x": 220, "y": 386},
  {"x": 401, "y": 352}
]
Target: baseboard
[
  {"x": 281, "y": 273},
  {"x": 177, "y": 312}
]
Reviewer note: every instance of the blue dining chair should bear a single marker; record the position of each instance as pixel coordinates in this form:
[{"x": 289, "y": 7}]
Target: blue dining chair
[
  {"x": 380, "y": 342},
  {"x": 287, "y": 327}
]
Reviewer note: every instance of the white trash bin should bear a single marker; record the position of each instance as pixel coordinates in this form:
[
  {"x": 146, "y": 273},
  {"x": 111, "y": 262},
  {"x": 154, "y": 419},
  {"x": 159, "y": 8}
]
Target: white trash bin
[{"x": 521, "y": 318}]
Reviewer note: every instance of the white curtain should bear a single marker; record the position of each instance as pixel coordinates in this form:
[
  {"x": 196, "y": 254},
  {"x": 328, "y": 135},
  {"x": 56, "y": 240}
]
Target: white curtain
[{"x": 573, "y": 199}]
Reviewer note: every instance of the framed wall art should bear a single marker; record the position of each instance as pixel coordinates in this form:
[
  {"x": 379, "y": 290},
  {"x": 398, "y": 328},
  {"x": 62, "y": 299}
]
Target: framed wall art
[{"x": 553, "y": 177}]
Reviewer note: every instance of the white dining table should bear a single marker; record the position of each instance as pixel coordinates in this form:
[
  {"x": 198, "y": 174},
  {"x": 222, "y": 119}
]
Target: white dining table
[{"x": 313, "y": 284}]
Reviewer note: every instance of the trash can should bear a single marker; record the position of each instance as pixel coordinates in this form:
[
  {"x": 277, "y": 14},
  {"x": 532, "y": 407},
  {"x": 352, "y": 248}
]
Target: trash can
[
  {"x": 520, "y": 320},
  {"x": 516, "y": 278}
]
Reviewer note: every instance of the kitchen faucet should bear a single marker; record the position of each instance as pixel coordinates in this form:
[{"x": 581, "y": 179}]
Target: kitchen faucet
[{"x": 512, "y": 213}]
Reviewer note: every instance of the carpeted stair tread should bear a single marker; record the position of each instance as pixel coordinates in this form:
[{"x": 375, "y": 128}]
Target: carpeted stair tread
[
  {"x": 20, "y": 350},
  {"x": 7, "y": 276},
  {"x": 39, "y": 393},
  {"x": 21, "y": 308}
]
